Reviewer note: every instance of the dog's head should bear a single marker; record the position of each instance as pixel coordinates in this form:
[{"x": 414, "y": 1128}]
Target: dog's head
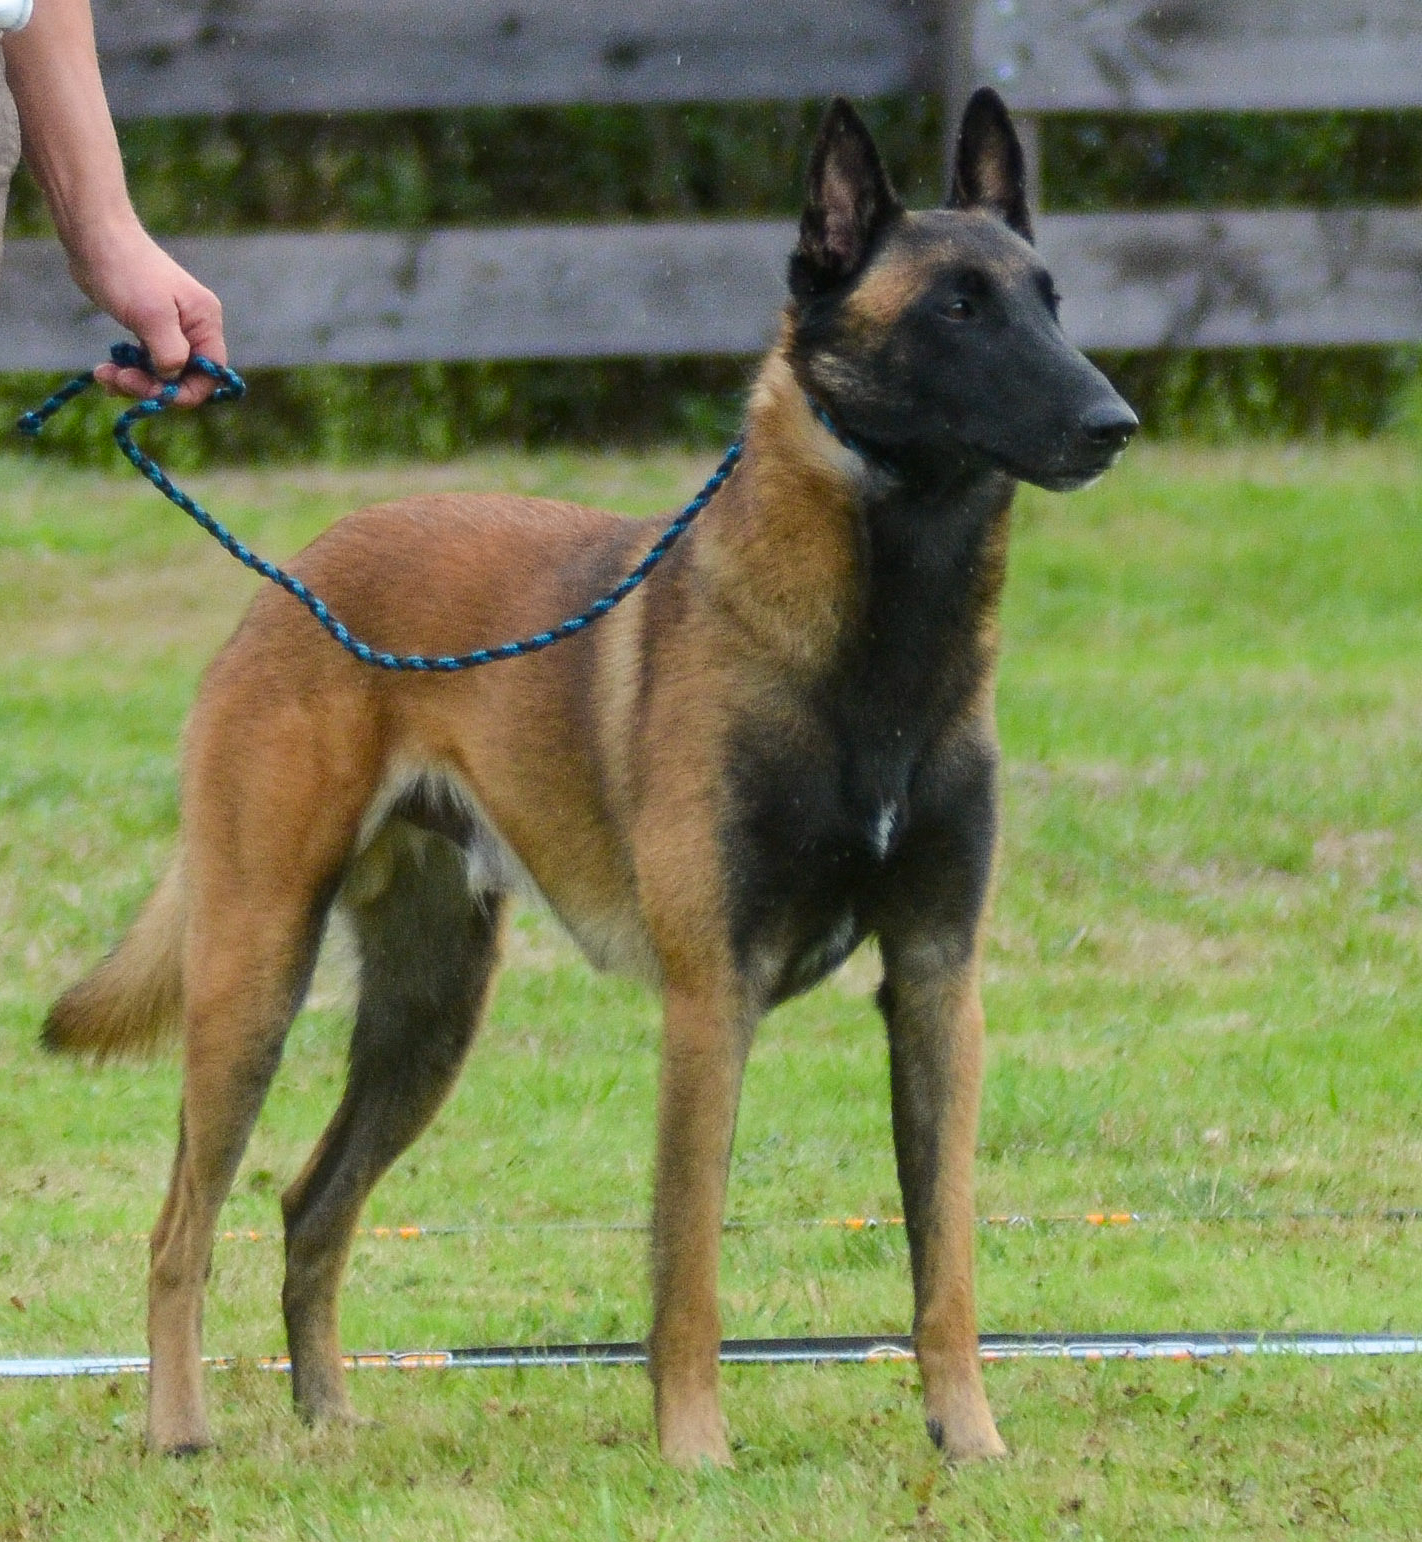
[{"x": 932, "y": 338}]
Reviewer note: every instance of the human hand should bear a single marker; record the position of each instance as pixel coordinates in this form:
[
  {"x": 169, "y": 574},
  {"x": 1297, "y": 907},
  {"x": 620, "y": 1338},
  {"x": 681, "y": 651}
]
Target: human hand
[{"x": 131, "y": 277}]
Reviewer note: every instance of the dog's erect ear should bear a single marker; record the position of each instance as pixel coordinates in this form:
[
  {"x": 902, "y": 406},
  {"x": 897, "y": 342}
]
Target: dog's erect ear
[
  {"x": 849, "y": 203},
  {"x": 989, "y": 172}
]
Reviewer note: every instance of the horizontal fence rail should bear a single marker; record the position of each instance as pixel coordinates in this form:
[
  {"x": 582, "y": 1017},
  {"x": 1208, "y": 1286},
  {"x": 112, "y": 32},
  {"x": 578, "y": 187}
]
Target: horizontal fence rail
[
  {"x": 1201, "y": 55},
  {"x": 169, "y": 58},
  {"x": 1128, "y": 281},
  {"x": 177, "y": 57}
]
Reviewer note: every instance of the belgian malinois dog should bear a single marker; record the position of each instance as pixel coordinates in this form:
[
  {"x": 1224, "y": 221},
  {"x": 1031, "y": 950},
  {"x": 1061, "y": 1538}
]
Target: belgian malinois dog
[{"x": 781, "y": 744}]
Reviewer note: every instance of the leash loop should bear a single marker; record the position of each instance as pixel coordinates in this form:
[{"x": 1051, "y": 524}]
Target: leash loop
[{"x": 231, "y": 387}]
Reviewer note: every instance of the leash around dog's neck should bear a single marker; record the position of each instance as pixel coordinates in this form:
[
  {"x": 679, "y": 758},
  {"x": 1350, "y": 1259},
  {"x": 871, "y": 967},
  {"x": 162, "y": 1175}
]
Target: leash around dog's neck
[{"x": 231, "y": 387}]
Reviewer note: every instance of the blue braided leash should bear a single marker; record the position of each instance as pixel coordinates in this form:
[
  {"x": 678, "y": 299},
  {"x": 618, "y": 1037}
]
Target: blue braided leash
[{"x": 231, "y": 387}]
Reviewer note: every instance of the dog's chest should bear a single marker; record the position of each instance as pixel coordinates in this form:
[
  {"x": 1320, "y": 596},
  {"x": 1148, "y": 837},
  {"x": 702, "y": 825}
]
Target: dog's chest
[
  {"x": 840, "y": 786},
  {"x": 823, "y": 816}
]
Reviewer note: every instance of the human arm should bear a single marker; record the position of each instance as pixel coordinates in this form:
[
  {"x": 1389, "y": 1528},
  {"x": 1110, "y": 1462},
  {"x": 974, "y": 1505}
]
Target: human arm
[{"x": 70, "y": 146}]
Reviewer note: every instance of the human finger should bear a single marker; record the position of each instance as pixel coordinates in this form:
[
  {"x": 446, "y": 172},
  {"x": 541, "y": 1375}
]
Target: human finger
[{"x": 194, "y": 388}]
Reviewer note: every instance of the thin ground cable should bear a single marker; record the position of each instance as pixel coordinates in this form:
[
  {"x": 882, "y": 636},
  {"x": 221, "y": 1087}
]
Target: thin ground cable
[{"x": 845, "y": 1349}]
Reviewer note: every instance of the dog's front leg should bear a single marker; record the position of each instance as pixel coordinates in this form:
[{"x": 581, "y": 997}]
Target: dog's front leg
[
  {"x": 933, "y": 1008},
  {"x": 703, "y": 1057}
]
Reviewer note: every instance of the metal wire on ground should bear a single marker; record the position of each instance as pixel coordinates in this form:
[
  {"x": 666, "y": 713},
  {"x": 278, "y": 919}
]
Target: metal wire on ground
[{"x": 852, "y": 1349}]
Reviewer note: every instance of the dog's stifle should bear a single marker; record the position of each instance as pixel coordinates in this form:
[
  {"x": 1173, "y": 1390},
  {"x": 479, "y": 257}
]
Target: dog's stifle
[{"x": 782, "y": 744}]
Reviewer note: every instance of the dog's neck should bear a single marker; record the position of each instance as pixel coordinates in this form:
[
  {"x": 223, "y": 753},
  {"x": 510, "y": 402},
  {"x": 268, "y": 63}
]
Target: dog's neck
[
  {"x": 893, "y": 471},
  {"x": 808, "y": 432},
  {"x": 879, "y": 460},
  {"x": 802, "y": 536}
]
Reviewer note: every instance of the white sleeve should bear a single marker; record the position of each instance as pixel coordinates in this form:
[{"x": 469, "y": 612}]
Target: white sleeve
[{"x": 14, "y": 14}]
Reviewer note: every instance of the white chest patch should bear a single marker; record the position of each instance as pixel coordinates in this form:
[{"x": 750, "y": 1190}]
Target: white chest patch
[{"x": 882, "y": 834}]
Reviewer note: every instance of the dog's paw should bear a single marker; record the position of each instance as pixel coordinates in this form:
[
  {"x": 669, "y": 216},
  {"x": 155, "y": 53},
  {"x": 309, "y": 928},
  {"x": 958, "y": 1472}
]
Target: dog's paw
[
  {"x": 180, "y": 1444},
  {"x": 968, "y": 1434},
  {"x": 693, "y": 1437},
  {"x": 187, "y": 1450}
]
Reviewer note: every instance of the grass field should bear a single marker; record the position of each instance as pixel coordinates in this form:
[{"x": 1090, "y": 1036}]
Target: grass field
[{"x": 1204, "y": 994}]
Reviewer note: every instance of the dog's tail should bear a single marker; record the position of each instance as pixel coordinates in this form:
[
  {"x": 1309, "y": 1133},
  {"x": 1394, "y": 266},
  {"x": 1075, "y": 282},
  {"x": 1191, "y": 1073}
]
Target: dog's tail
[{"x": 133, "y": 1001}]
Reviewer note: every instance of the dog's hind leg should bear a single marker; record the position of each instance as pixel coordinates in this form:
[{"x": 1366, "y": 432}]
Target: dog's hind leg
[
  {"x": 246, "y": 969},
  {"x": 428, "y": 946},
  {"x": 268, "y": 820}
]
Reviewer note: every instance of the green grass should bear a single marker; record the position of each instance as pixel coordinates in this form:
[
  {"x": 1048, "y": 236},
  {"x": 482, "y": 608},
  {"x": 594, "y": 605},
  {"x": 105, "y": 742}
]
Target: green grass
[{"x": 1204, "y": 989}]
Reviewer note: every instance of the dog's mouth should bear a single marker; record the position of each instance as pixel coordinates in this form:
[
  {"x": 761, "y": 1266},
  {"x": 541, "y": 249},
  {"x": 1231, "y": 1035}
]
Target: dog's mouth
[
  {"x": 1060, "y": 477},
  {"x": 1072, "y": 479},
  {"x": 1091, "y": 449}
]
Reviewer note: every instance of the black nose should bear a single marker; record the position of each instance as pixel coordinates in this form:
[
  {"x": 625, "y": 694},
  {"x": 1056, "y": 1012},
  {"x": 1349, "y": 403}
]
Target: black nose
[{"x": 1109, "y": 424}]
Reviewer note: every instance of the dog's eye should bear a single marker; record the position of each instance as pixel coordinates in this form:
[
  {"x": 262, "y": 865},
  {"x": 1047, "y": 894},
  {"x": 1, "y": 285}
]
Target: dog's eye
[{"x": 958, "y": 309}]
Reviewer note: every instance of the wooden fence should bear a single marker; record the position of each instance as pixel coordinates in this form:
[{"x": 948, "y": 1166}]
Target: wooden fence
[{"x": 1131, "y": 280}]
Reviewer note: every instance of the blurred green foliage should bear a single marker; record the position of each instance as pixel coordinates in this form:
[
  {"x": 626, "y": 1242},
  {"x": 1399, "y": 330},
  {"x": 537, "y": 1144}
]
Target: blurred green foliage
[
  {"x": 1223, "y": 160},
  {"x": 488, "y": 166},
  {"x": 491, "y": 166}
]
